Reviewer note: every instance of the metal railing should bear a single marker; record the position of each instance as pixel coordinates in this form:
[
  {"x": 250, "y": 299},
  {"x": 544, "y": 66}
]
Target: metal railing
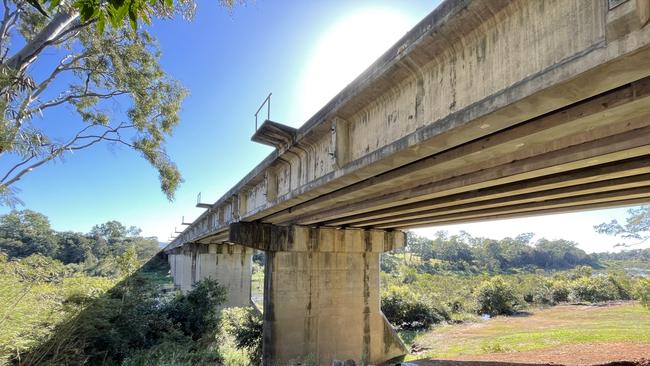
[{"x": 266, "y": 101}]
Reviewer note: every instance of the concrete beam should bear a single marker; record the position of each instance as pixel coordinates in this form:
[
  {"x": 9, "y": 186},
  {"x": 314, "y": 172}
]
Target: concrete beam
[
  {"x": 296, "y": 238},
  {"x": 641, "y": 194},
  {"x": 582, "y": 176},
  {"x": 566, "y": 192}
]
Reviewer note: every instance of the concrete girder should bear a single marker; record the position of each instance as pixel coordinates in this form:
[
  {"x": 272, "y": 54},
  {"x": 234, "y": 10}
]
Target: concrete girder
[
  {"x": 469, "y": 70},
  {"x": 616, "y": 111},
  {"x": 639, "y": 181},
  {"x": 599, "y": 173}
]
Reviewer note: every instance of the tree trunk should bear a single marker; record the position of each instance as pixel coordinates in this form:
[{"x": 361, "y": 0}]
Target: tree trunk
[{"x": 57, "y": 25}]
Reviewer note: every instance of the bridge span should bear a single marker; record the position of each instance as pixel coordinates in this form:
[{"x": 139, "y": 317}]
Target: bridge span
[{"x": 487, "y": 109}]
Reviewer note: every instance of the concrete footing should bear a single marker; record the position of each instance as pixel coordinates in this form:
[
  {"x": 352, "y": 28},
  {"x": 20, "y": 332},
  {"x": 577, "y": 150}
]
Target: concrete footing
[
  {"x": 230, "y": 265},
  {"x": 322, "y": 302}
]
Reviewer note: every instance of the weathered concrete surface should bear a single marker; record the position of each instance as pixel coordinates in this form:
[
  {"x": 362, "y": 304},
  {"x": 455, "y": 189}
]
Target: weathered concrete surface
[
  {"x": 230, "y": 265},
  {"x": 322, "y": 298},
  {"x": 486, "y": 109},
  {"x": 476, "y": 85}
]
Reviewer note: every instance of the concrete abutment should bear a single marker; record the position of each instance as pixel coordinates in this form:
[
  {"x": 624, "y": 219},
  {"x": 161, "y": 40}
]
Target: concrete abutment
[{"x": 321, "y": 293}]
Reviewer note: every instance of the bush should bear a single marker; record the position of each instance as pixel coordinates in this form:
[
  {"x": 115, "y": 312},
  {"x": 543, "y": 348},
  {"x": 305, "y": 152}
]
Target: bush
[
  {"x": 410, "y": 314},
  {"x": 496, "y": 297},
  {"x": 595, "y": 289},
  {"x": 560, "y": 291},
  {"x": 131, "y": 322},
  {"x": 245, "y": 326},
  {"x": 622, "y": 284},
  {"x": 642, "y": 291},
  {"x": 540, "y": 292}
]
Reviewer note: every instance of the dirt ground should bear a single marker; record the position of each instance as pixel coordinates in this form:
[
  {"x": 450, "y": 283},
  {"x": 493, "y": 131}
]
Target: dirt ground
[
  {"x": 574, "y": 355},
  {"x": 618, "y": 333}
]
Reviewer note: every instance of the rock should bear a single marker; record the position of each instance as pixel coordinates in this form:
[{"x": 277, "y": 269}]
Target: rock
[{"x": 349, "y": 363}]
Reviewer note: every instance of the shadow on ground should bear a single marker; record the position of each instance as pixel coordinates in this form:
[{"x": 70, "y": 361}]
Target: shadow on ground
[
  {"x": 491, "y": 363},
  {"x": 133, "y": 323}
]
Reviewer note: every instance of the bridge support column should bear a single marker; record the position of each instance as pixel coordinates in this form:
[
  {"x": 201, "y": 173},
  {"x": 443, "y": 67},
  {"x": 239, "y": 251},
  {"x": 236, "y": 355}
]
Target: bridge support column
[
  {"x": 180, "y": 263},
  {"x": 321, "y": 293},
  {"x": 230, "y": 265}
]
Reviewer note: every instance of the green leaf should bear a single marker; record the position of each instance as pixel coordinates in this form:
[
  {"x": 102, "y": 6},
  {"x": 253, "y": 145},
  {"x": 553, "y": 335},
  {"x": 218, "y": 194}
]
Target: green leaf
[
  {"x": 101, "y": 23},
  {"x": 120, "y": 14},
  {"x": 133, "y": 17}
]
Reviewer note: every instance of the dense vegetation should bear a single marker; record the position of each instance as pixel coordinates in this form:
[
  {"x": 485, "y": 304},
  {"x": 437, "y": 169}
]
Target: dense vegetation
[
  {"x": 454, "y": 278},
  {"x": 24, "y": 233},
  {"x": 468, "y": 254},
  {"x": 55, "y": 315},
  {"x": 72, "y": 298}
]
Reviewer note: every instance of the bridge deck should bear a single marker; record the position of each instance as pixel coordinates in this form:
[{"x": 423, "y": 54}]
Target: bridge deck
[{"x": 486, "y": 109}]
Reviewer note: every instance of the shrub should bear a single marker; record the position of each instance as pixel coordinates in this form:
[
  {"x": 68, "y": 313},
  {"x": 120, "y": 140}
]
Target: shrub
[
  {"x": 642, "y": 291},
  {"x": 496, "y": 297},
  {"x": 595, "y": 289},
  {"x": 539, "y": 292},
  {"x": 560, "y": 291},
  {"x": 622, "y": 284},
  {"x": 245, "y": 326},
  {"x": 131, "y": 322},
  {"x": 194, "y": 313},
  {"x": 411, "y": 314}
]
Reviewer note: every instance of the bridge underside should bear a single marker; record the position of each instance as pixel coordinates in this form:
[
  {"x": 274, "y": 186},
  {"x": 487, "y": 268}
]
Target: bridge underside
[
  {"x": 485, "y": 110},
  {"x": 588, "y": 155}
]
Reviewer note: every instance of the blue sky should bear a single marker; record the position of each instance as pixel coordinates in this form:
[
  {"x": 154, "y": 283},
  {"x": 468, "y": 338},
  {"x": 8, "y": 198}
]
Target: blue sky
[{"x": 304, "y": 52}]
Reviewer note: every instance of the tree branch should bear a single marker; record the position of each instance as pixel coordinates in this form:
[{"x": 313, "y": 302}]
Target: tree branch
[
  {"x": 71, "y": 97},
  {"x": 111, "y": 134},
  {"x": 8, "y": 21},
  {"x": 16, "y": 167},
  {"x": 60, "y": 24}
]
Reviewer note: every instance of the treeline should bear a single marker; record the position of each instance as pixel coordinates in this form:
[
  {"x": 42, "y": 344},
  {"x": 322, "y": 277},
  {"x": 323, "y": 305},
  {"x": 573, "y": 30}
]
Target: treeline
[
  {"x": 642, "y": 255},
  {"x": 466, "y": 253},
  {"x": 26, "y": 233}
]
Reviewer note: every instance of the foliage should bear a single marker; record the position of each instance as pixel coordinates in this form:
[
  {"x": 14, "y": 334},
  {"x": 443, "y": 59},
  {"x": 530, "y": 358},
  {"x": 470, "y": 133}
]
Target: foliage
[
  {"x": 90, "y": 73},
  {"x": 195, "y": 313},
  {"x": 496, "y": 297},
  {"x": 36, "y": 293},
  {"x": 560, "y": 291},
  {"x": 637, "y": 225},
  {"x": 409, "y": 313},
  {"x": 23, "y": 233},
  {"x": 642, "y": 291},
  {"x": 468, "y": 254},
  {"x": 600, "y": 288},
  {"x": 133, "y": 323},
  {"x": 245, "y": 326}
]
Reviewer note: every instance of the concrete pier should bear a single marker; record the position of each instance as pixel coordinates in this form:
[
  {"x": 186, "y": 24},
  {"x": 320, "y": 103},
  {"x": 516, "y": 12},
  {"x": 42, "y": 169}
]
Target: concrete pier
[
  {"x": 230, "y": 265},
  {"x": 321, "y": 294}
]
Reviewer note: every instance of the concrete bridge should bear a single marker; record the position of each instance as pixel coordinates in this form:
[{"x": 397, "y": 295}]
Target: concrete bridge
[{"x": 486, "y": 109}]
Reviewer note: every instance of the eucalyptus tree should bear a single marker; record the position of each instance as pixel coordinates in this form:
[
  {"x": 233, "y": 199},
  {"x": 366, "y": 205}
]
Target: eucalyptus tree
[
  {"x": 636, "y": 226},
  {"x": 90, "y": 57}
]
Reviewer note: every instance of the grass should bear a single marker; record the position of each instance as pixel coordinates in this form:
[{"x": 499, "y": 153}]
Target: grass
[
  {"x": 29, "y": 313},
  {"x": 559, "y": 325}
]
